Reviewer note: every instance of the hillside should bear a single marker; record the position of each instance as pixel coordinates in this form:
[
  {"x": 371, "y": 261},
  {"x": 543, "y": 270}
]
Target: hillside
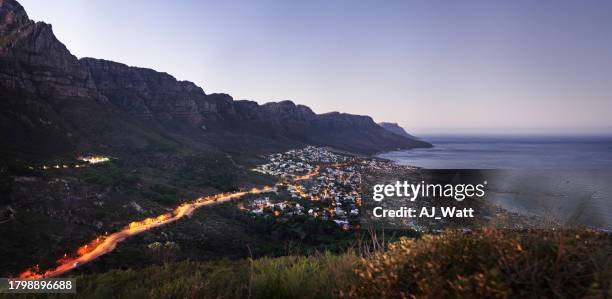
[
  {"x": 156, "y": 96},
  {"x": 396, "y": 129},
  {"x": 54, "y": 104}
]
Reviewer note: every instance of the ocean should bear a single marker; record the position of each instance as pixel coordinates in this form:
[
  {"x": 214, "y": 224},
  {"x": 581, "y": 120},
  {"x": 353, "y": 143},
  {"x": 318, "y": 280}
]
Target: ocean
[
  {"x": 470, "y": 152},
  {"x": 568, "y": 179}
]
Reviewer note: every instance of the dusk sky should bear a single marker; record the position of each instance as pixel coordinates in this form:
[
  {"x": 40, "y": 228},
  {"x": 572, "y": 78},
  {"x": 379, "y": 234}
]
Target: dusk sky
[{"x": 434, "y": 67}]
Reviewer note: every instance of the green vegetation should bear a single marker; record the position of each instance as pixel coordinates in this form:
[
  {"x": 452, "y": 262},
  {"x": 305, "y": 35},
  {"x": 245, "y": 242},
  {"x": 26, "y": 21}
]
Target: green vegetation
[
  {"x": 6, "y": 186},
  {"x": 487, "y": 263},
  {"x": 162, "y": 194},
  {"x": 285, "y": 277},
  {"x": 492, "y": 264},
  {"x": 322, "y": 276},
  {"x": 280, "y": 236},
  {"x": 109, "y": 174},
  {"x": 207, "y": 171}
]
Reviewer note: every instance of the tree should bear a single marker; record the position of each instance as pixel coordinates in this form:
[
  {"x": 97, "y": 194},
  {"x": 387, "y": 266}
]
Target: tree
[
  {"x": 6, "y": 186},
  {"x": 164, "y": 252}
]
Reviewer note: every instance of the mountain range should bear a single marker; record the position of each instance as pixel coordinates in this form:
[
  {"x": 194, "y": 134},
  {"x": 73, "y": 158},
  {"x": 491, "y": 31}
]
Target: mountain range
[{"x": 54, "y": 104}]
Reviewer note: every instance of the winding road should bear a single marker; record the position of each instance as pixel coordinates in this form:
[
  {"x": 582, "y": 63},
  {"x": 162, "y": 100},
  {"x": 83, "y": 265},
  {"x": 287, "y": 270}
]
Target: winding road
[{"x": 107, "y": 243}]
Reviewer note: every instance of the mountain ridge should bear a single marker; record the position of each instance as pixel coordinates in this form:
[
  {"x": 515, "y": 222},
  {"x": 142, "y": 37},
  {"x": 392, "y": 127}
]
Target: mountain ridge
[
  {"x": 56, "y": 103},
  {"x": 396, "y": 129}
]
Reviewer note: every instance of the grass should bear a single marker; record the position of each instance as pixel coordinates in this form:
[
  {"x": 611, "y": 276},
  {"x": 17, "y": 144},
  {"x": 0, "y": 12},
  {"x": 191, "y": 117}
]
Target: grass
[
  {"x": 322, "y": 276},
  {"x": 286, "y": 277},
  {"x": 109, "y": 174},
  {"x": 482, "y": 264},
  {"x": 492, "y": 264}
]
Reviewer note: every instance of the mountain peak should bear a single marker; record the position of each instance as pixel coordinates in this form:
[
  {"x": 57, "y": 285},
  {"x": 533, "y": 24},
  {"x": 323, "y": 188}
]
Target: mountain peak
[
  {"x": 12, "y": 15},
  {"x": 396, "y": 129}
]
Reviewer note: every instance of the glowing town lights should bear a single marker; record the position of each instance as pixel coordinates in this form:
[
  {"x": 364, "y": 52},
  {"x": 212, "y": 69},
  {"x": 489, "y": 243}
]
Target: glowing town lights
[
  {"x": 95, "y": 159},
  {"x": 299, "y": 190},
  {"x": 309, "y": 175}
]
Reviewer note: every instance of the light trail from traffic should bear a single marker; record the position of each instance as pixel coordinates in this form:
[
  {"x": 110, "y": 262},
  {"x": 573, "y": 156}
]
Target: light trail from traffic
[
  {"x": 309, "y": 175},
  {"x": 107, "y": 243}
]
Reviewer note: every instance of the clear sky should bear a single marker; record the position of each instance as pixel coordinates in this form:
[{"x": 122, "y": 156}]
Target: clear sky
[{"x": 432, "y": 66}]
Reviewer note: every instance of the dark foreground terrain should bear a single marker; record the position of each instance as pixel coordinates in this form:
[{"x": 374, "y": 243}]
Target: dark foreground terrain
[{"x": 482, "y": 264}]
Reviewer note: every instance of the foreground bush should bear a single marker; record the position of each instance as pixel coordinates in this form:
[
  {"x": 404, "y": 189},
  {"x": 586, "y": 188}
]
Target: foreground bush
[
  {"x": 285, "y": 277},
  {"x": 482, "y": 264},
  {"x": 302, "y": 277},
  {"x": 491, "y": 263}
]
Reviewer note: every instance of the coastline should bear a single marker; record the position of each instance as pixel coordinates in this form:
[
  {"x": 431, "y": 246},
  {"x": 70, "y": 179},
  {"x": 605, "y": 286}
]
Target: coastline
[{"x": 526, "y": 217}]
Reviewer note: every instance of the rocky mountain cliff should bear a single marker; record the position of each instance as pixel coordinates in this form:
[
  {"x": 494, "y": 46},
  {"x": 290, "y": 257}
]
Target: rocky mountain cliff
[
  {"x": 396, "y": 129},
  {"x": 50, "y": 102},
  {"x": 148, "y": 94},
  {"x": 54, "y": 103}
]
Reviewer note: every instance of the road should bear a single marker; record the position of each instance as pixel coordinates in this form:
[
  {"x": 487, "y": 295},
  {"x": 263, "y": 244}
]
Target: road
[{"x": 107, "y": 243}]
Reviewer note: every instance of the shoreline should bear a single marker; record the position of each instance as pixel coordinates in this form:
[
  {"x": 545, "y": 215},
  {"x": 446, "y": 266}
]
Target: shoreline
[{"x": 523, "y": 219}]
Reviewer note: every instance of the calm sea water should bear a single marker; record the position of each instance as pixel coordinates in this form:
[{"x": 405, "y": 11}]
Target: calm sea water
[
  {"x": 465, "y": 152},
  {"x": 567, "y": 179}
]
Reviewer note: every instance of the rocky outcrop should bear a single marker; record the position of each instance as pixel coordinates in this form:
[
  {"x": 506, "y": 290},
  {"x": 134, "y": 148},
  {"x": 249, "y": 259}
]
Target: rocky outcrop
[
  {"x": 50, "y": 103},
  {"x": 38, "y": 76},
  {"x": 12, "y": 16},
  {"x": 396, "y": 129},
  {"x": 148, "y": 94},
  {"x": 33, "y": 60},
  {"x": 360, "y": 132}
]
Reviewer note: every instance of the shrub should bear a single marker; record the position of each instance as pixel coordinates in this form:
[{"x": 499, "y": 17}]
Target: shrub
[
  {"x": 287, "y": 277},
  {"x": 482, "y": 264},
  {"x": 490, "y": 263},
  {"x": 321, "y": 276}
]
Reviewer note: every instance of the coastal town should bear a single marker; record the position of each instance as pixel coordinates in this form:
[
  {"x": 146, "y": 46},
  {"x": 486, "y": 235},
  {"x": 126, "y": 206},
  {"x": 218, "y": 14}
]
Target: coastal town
[
  {"x": 320, "y": 184},
  {"x": 316, "y": 183}
]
